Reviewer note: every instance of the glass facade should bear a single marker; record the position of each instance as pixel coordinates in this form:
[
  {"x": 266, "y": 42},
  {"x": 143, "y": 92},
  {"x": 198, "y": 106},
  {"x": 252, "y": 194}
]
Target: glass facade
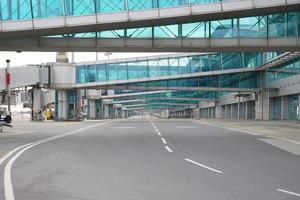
[
  {"x": 283, "y": 71},
  {"x": 268, "y": 26},
  {"x": 29, "y": 9},
  {"x": 166, "y": 67}
]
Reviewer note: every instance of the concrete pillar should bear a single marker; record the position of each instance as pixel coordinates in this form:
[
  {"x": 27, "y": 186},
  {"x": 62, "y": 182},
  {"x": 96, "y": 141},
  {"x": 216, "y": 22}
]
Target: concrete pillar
[
  {"x": 246, "y": 110},
  {"x": 92, "y": 109},
  {"x": 38, "y": 103},
  {"x": 262, "y": 106},
  {"x": 62, "y": 113},
  {"x": 218, "y": 112},
  {"x": 285, "y": 108}
]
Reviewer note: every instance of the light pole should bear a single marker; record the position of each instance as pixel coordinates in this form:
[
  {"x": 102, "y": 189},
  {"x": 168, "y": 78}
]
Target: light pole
[
  {"x": 7, "y": 78},
  {"x": 108, "y": 54}
]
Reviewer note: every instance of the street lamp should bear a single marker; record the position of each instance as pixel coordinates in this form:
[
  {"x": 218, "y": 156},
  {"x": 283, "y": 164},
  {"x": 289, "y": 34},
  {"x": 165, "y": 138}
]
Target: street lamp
[{"x": 108, "y": 54}]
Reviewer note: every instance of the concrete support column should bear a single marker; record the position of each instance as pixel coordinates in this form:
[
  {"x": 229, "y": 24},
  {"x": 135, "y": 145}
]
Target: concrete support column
[
  {"x": 92, "y": 109},
  {"x": 218, "y": 112},
  {"x": 285, "y": 108},
  {"x": 38, "y": 103},
  {"x": 62, "y": 113},
  {"x": 262, "y": 106},
  {"x": 246, "y": 109}
]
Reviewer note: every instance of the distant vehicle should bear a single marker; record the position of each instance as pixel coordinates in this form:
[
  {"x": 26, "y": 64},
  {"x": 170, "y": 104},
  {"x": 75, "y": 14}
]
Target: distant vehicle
[
  {"x": 5, "y": 116},
  {"x": 5, "y": 119}
]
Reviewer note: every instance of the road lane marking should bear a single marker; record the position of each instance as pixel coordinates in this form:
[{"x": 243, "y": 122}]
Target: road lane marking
[
  {"x": 122, "y": 127},
  {"x": 288, "y": 192},
  {"x": 8, "y": 186},
  {"x": 229, "y": 128},
  {"x": 203, "y": 166},
  {"x": 168, "y": 149},
  {"x": 285, "y": 139},
  {"x": 158, "y": 133},
  {"x": 163, "y": 140},
  {"x": 185, "y": 127}
]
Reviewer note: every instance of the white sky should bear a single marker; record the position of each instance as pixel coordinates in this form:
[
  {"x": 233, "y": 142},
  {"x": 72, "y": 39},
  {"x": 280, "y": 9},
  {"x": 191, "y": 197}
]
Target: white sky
[{"x": 25, "y": 58}]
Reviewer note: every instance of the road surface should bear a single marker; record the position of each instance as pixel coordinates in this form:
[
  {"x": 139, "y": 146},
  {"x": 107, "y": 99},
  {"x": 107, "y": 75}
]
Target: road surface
[{"x": 140, "y": 159}]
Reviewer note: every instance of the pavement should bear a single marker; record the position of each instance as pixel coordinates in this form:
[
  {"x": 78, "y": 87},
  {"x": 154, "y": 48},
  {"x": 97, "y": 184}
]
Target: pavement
[{"x": 146, "y": 159}]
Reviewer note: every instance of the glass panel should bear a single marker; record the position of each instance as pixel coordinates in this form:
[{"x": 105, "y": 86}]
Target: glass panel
[
  {"x": 132, "y": 70},
  {"x": 224, "y": 28},
  {"x": 170, "y": 31},
  {"x": 112, "y": 72},
  {"x": 110, "y": 6},
  {"x": 185, "y": 66},
  {"x": 195, "y": 30},
  {"x": 143, "y": 69},
  {"x": 139, "y": 33},
  {"x": 80, "y": 74},
  {"x": 141, "y": 4},
  {"x": 122, "y": 71},
  {"x": 153, "y": 68},
  {"x": 79, "y": 7},
  {"x": 101, "y": 72},
  {"x": 174, "y": 66},
  {"x": 91, "y": 73},
  {"x": 253, "y": 27},
  {"x": 15, "y": 9},
  {"x": 47, "y": 8},
  {"x": 163, "y": 67}
]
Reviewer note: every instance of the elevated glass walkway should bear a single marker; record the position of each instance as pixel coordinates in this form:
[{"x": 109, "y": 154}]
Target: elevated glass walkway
[
  {"x": 230, "y": 71},
  {"x": 275, "y": 32},
  {"x": 28, "y": 18}
]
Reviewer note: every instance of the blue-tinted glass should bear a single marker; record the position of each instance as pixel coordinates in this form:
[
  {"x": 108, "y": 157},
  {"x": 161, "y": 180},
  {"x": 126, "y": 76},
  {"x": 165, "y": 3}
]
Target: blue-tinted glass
[
  {"x": 163, "y": 67},
  {"x": 112, "y": 72},
  {"x": 110, "y": 6},
  {"x": 140, "y": 32},
  {"x": 132, "y": 70},
  {"x": 122, "y": 71},
  {"x": 143, "y": 69},
  {"x": 101, "y": 72},
  {"x": 174, "y": 66},
  {"x": 141, "y": 4},
  {"x": 15, "y": 9},
  {"x": 153, "y": 68},
  {"x": 79, "y": 7},
  {"x": 47, "y": 8},
  {"x": 91, "y": 73}
]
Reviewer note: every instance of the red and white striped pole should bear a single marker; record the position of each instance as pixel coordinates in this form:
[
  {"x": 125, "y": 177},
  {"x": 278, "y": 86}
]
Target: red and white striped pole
[{"x": 7, "y": 78}]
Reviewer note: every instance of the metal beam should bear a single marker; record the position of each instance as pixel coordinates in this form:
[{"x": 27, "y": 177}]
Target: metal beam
[
  {"x": 213, "y": 89},
  {"x": 284, "y": 44}
]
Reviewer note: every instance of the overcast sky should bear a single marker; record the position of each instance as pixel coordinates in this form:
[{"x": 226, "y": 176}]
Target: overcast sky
[{"x": 25, "y": 58}]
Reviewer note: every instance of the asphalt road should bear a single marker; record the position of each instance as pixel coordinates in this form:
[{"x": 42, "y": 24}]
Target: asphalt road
[{"x": 137, "y": 160}]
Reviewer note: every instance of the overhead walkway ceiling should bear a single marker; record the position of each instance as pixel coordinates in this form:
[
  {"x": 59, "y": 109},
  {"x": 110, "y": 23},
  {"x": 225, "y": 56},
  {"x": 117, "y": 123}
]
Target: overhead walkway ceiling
[
  {"x": 29, "y": 18},
  {"x": 276, "y": 32}
]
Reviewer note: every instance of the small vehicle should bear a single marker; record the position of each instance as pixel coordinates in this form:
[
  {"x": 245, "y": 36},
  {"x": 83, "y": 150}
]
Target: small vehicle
[
  {"x": 5, "y": 119},
  {"x": 5, "y": 115}
]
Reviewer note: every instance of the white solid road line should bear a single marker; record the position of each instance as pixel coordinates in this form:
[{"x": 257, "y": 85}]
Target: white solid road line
[
  {"x": 8, "y": 186},
  {"x": 204, "y": 166},
  {"x": 122, "y": 127},
  {"x": 168, "y": 149},
  {"x": 288, "y": 192},
  {"x": 163, "y": 140},
  {"x": 185, "y": 127}
]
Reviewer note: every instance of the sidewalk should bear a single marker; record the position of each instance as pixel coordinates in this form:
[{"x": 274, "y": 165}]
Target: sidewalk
[
  {"x": 282, "y": 134},
  {"x": 283, "y": 129}
]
